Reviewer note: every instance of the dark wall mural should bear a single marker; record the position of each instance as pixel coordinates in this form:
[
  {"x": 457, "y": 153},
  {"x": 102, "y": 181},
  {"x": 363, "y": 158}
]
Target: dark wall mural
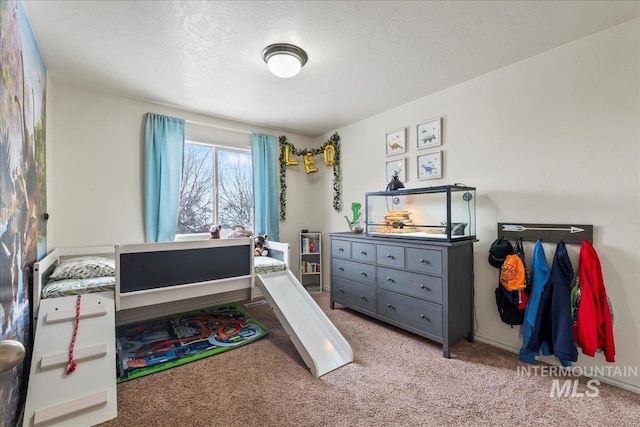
[{"x": 22, "y": 190}]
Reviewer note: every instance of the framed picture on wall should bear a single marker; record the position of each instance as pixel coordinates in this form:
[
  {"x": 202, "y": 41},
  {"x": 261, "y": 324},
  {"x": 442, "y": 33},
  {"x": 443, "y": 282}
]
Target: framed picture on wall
[
  {"x": 430, "y": 165},
  {"x": 429, "y": 133},
  {"x": 396, "y": 141},
  {"x": 396, "y": 167}
]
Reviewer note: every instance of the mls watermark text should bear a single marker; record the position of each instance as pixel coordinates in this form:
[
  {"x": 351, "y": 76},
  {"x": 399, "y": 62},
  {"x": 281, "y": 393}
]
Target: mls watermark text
[{"x": 567, "y": 381}]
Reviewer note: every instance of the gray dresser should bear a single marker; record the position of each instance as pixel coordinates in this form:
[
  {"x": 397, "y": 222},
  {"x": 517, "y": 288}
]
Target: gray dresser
[{"x": 422, "y": 287}]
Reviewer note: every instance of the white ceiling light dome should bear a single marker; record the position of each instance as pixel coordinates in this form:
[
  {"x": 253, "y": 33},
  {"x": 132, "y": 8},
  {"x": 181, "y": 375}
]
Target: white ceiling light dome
[{"x": 284, "y": 60}]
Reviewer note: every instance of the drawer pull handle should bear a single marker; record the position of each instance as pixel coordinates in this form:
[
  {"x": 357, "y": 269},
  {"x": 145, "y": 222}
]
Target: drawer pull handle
[
  {"x": 363, "y": 253},
  {"x": 363, "y": 273},
  {"x": 363, "y": 297},
  {"x": 340, "y": 290},
  {"x": 425, "y": 318},
  {"x": 424, "y": 261},
  {"x": 341, "y": 268},
  {"x": 391, "y": 307},
  {"x": 340, "y": 249},
  {"x": 426, "y": 288},
  {"x": 389, "y": 279},
  {"x": 390, "y": 256}
]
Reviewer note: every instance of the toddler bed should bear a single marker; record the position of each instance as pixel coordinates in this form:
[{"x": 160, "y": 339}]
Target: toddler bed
[
  {"x": 112, "y": 278},
  {"x": 76, "y": 271}
]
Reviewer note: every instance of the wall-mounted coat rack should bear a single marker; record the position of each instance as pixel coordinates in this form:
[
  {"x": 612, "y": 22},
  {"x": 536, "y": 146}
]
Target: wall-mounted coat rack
[{"x": 548, "y": 233}]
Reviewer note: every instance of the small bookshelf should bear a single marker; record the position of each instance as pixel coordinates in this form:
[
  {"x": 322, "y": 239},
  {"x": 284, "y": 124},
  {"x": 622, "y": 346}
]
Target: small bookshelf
[{"x": 311, "y": 261}]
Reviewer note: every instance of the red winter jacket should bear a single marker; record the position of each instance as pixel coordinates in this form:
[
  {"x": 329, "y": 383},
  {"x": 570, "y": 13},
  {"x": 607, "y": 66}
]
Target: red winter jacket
[{"x": 593, "y": 329}]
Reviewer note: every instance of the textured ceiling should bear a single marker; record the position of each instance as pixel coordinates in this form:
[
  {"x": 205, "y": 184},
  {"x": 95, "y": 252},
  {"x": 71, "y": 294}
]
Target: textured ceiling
[{"x": 364, "y": 57}]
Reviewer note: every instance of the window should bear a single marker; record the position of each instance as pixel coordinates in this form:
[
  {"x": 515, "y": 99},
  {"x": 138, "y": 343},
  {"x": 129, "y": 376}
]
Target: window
[{"x": 217, "y": 188}]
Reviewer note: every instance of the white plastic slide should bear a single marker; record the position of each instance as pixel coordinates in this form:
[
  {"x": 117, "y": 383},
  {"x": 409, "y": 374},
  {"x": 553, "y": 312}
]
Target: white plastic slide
[{"x": 320, "y": 344}]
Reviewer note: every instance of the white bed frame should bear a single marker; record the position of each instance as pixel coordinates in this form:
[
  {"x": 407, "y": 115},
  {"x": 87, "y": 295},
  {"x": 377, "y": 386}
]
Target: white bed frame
[
  {"x": 44, "y": 267},
  {"x": 88, "y": 397}
]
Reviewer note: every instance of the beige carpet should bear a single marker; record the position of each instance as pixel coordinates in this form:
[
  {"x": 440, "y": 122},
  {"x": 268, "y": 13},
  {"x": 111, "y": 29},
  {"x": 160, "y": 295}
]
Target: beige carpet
[{"x": 397, "y": 379}]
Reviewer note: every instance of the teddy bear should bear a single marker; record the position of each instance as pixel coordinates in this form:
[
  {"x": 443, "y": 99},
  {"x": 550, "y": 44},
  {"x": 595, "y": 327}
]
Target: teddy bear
[
  {"x": 214, "y": 232},
  {"x": 259, "y": 245}
]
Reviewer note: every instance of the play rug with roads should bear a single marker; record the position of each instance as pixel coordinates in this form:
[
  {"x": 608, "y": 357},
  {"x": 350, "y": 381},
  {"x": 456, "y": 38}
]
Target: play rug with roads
[{"x": 155, "y": 345}]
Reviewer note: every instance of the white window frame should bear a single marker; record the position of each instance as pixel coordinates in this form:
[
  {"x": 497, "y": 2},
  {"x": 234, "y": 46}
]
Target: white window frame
[{"x": 216, "y": 148}]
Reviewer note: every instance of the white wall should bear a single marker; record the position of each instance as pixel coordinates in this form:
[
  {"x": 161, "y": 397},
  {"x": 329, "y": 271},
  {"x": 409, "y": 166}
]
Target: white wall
[
  {"x": 95, "y": 144},
  {"x": 551, "y": 139}
]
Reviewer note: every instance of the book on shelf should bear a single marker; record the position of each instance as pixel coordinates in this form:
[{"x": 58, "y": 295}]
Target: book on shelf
[
  {"x": 310, "y": 267},
  {"x": 310, "y": 245}
]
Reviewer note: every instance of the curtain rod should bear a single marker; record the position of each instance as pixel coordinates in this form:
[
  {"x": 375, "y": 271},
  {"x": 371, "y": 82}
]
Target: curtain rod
[{"x": 218, "y": 127}]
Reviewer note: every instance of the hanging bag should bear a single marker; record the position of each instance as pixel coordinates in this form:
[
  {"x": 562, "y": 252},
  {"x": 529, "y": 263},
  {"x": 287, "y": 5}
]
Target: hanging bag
[
  {"x": 512, "y": 295},
  {"x": 523, "y": 299},
  {"x": 518, "y": 249},
  {"x": 509, "y": 312}
]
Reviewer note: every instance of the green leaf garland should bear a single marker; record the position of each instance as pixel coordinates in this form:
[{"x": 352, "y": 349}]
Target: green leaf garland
[{"x": 337, "y": 188}]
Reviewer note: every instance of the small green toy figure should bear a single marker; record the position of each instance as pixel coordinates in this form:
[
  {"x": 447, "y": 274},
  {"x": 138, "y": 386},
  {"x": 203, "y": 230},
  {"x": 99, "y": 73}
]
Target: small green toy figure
[{"x": 353, "y": 224}]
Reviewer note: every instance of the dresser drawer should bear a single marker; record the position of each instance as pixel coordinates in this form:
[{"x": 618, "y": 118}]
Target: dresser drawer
[
  {"x": 392, "y": 256},
  {"x": 413, "y": 312},
  {"x": 424, "y": 260},
  {"x": 351, "y": 270},
  {"x": 354, "y": 294},
  {"x": 341, "y": 248},
  {"x": 413, "y": 284},
  {"x": 363, "y": 251}
]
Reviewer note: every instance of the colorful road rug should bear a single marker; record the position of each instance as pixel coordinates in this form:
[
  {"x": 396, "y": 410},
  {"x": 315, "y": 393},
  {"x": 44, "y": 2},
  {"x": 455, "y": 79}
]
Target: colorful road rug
[{"x": 155, "y": 345}]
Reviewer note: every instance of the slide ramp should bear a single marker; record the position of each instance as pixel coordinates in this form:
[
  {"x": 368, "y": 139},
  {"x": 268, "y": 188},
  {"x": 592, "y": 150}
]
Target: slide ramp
[
  {"x": 86, "y": 396},
  {"x": 320, "y": 344}
]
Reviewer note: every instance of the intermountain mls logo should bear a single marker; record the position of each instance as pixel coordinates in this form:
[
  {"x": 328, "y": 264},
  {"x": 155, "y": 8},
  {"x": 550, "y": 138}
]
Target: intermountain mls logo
[
  {"x": 573, "y": 387},
  {"x": 571, "y": 381}
]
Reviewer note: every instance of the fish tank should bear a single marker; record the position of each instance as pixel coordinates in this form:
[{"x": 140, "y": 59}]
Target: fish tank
[{"x": 445, "y": 213}]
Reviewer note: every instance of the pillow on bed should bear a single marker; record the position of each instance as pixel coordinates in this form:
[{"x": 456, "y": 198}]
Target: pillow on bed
[
  {"x": 84, "y": 268},
  {"x": 61, "y": 288}
]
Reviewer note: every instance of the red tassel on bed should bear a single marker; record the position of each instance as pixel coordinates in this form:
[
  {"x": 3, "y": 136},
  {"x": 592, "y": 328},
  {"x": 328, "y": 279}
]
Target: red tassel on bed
[{"x": 72, "y": 364}]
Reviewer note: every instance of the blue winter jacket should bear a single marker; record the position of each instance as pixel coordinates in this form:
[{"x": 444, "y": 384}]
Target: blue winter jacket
[
  {"x": 539, "y": 278},
  {"x": 553, "y": 330}
]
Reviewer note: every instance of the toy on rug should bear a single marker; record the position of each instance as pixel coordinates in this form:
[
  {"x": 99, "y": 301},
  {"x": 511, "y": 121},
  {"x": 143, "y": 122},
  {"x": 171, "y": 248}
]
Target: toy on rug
[
  {"x": 238, "y": 232},
  {"x": 259, "y": 244},
  {"x": 214, "y": 232}
]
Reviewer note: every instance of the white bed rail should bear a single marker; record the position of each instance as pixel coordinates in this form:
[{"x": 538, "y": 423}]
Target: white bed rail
[
  {"x": 280, "y": 251},
  {"x": 43, "y": 268},
  {"x": 129, "y": 296}
]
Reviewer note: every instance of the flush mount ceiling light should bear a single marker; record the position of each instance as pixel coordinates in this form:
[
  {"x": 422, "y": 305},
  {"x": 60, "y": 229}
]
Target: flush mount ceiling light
[{"x": 284, "y": 60}]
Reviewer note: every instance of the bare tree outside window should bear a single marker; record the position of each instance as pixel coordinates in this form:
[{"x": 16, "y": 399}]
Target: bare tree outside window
[
  {"x": 235, "y": 189},
  {"x": 196, "y": 192},
  {"x": 217, "y": 188}
]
